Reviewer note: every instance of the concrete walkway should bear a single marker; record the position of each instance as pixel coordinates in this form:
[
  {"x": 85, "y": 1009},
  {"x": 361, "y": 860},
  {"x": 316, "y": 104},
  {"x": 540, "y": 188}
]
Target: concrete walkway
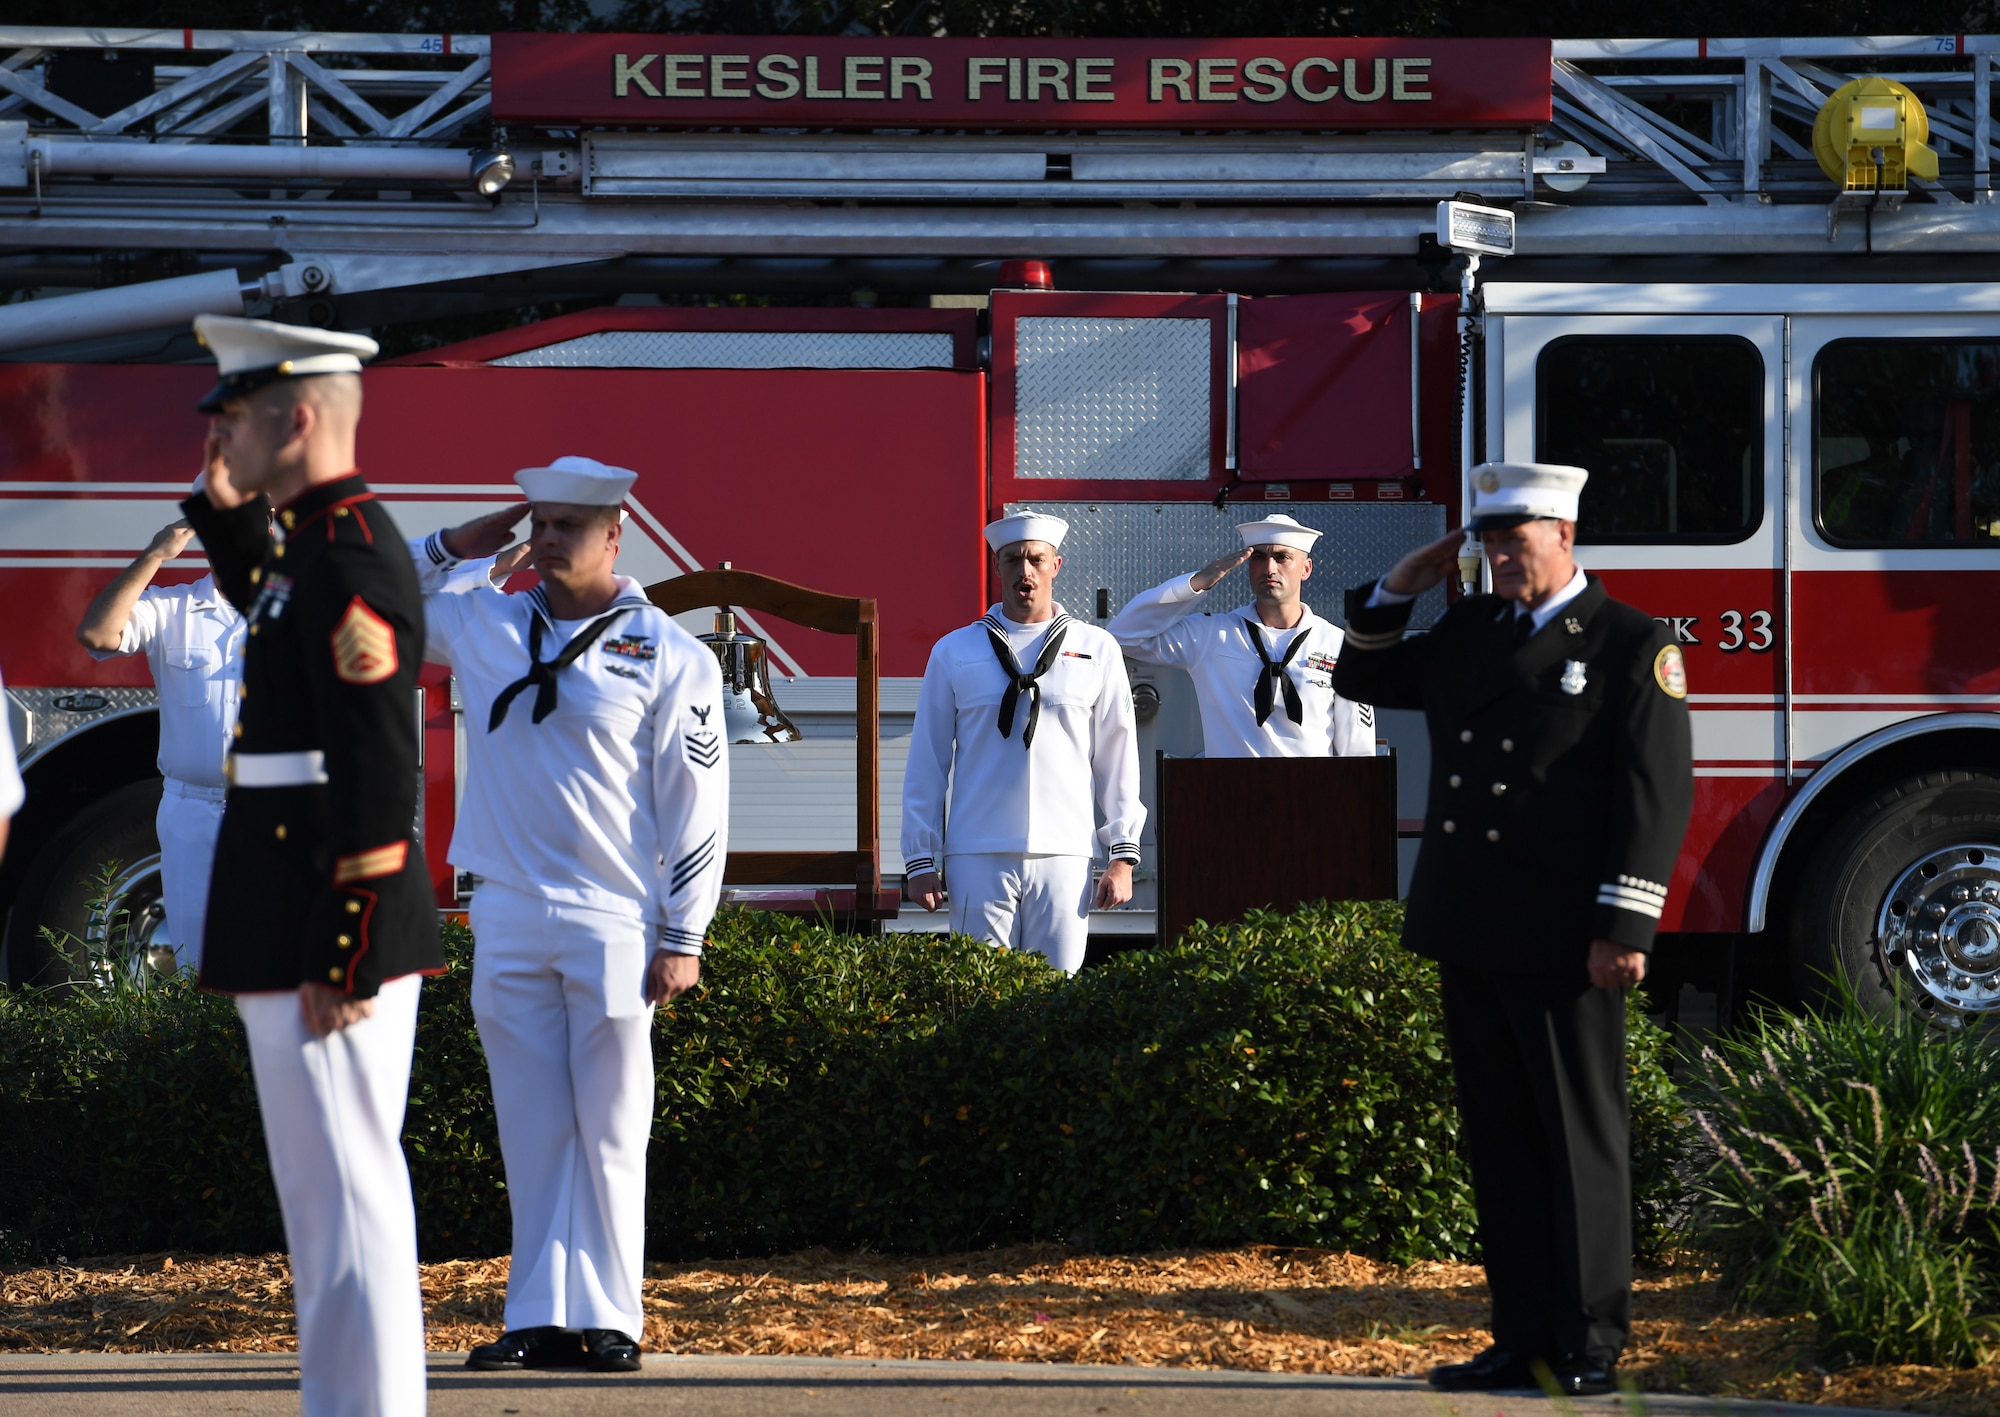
[{"x": 266, "y": 1385}]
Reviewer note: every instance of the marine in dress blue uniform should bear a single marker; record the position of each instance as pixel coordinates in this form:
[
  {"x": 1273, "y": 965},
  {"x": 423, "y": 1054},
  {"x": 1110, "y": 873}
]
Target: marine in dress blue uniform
[{"x": 320, "y": 913}]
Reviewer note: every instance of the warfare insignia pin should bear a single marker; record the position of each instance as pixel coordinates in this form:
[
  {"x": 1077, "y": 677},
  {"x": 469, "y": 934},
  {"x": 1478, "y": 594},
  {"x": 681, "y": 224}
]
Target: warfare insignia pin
[
  {"x": 1573, "y": 680},
  {"x": 1570, "y": 623}
]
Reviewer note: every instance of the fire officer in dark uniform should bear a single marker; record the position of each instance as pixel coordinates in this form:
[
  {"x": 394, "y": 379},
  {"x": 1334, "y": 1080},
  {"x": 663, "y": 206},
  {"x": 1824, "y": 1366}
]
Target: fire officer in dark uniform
[
  {"x": 1561, "y": 783},
  {"x": 320, "y": 916}
]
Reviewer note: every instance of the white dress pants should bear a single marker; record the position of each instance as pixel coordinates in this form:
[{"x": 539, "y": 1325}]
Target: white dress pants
[
  {"x": 333, "y": 1122},
  {"x": 558, "y": 992},
  {"x": 1039, "y": 903},
  {"x": 188, "y": 820}
]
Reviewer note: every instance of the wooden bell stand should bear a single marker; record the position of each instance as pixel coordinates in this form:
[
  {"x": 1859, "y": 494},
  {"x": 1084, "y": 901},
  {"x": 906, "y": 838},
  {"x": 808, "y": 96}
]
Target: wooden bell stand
[{"x": 812, "y": 873}]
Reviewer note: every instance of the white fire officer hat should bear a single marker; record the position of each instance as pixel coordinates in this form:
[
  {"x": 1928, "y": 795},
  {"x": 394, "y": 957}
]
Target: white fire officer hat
[
  {"x": 1506, "y": 494},
  {"x": 1029, "y": 526},
  {"x": 1279, "y": 530},
  {"x": 583, "y": 481},
  {"x": 252, "y": 353}
]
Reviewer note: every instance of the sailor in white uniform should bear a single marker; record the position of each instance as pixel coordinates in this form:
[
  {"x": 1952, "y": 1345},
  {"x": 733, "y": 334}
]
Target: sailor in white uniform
[
  {"x": 193, "y": 641},
  {"x": 596, "y": 813},
  {"x": 1027, "y": 715},
  {"x": 1263, "y": 672}
]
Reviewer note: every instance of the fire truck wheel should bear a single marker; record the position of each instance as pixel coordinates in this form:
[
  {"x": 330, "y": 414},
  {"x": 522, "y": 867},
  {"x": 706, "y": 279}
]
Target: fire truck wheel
[
  {"x": 113, "y": 842},
  {"x": 1902, "y": 901}
]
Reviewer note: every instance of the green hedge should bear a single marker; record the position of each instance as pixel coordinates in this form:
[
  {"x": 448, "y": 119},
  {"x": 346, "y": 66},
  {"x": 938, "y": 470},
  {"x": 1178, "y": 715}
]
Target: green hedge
[{"x": 1281, "y": 1081}]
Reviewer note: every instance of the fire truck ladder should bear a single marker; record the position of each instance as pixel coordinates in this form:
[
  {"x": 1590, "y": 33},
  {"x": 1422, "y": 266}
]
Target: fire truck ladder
[{"x": 246, "y": 171}]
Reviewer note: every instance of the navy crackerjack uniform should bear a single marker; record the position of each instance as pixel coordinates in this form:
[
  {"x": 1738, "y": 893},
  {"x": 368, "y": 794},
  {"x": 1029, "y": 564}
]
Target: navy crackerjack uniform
[
  {"x": 320, "y": 882},
  {"x": 1561, "y": 784}
]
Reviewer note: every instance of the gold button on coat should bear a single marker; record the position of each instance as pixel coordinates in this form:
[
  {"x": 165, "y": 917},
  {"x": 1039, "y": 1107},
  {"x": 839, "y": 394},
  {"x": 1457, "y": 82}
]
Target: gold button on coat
[
  {"x": 1456, "y": 779},
  {"x": 334, "y": 974},
  {"x": 354, "y": 907},
  {"x": 1499, "y": 789},
  {"x": 1506, "y": 745},
  {"x": 281, "y": 831},
  {"x": 1492, "y": 834},
  {"x": 1450, "y": 826},
  {"x": 346, "y": 942}
]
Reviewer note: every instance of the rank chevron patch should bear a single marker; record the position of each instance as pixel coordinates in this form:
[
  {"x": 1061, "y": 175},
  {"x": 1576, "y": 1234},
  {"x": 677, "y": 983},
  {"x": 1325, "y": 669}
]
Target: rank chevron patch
[
  {"x": 704, "y": 748},
  {"x": 364, "y": 647}
]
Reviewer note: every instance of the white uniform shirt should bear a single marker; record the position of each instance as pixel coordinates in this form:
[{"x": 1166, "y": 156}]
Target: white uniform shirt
[
  {"x": 12, "y": 792},
  {"x": 193, "y": 642},
  {"x": 1041, "y": 801},
  {"x": 619, "y": 799},
  {"x": 1165, "y": 625}
]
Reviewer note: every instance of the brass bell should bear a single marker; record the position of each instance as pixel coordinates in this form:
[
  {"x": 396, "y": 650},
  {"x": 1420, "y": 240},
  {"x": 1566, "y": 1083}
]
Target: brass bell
[{"x": 750, "y": 714}]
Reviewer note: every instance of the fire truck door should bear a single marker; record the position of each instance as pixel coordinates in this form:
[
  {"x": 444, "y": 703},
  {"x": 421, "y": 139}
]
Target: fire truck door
[
  {"x": 1679, "y": 420},
  {"x": 1896, "y": 547}
]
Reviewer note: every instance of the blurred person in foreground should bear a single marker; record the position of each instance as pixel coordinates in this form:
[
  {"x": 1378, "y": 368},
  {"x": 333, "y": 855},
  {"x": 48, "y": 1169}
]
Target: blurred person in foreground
[{"x": 320, "y": 911}]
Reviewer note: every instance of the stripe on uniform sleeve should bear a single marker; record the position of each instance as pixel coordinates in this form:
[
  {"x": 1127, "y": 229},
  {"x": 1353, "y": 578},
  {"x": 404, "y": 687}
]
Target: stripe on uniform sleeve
[
  {"x": 693, "y": 864},
  {"x": 1373, "y": 639},
  {"x": 919, "y": 865},
  {"x": 1625, "y": 898}
]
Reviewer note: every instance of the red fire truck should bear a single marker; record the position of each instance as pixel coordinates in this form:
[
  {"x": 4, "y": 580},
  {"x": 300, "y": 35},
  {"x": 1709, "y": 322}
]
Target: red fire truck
[{"x": 1747, "y": 283}]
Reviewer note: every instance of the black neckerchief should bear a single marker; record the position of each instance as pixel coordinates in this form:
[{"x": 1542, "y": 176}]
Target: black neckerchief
[
  {"x": 1271, "y": 674},
  {"x": 1018, "y": 681},
  {"x": 542, "y": 674}
]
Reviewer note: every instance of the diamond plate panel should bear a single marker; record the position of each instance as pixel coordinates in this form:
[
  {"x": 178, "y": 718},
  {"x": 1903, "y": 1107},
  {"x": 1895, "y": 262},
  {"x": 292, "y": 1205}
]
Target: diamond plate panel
[
  {"x": 1117, "y": 399},
  {"x": 740, "y": 349},
  {"x": 40, "y": 718},
  {"x": 1126, "y": 547}
]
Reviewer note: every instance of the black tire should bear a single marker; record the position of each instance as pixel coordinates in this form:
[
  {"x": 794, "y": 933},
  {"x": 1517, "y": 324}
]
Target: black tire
[
  {"x": 1866, "y": 899},
  {"x": 61, "y": 885}
]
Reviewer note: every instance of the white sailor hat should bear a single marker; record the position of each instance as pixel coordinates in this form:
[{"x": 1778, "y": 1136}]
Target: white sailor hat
[
  {"x": 1506, "y": 494},
  {"x": 1277, "y": 530},
  {"x": 583, "y": 481},
  {"x": 252, "y": 353},
  {"x": 1029, "y": 526}
]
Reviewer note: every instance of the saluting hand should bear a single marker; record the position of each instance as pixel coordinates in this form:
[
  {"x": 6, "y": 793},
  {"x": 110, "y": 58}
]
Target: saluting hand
[
  {"x": 482, "y": 536},
  {"x": 1209, "y": 576},
  {"x": 1614, "y": 966},
  {"x": 1425, "y": 566},
  {"x": 222, "y": 494},
  {"x": 170, "y": 540}
]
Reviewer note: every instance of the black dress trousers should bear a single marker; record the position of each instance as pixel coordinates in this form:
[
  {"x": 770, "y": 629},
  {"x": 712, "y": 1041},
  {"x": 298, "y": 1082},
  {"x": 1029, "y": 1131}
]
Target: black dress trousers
[{"x": 1540, "y": 1067}]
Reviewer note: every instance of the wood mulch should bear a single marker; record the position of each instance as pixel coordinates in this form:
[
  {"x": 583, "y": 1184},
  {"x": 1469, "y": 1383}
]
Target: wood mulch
[{"x": 1259, "y": 1307}]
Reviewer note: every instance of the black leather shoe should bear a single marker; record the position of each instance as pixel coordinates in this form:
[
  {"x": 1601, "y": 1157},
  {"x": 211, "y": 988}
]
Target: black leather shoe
[
  {"x": 610, "y": 1351},
  {"x": 1493, "y": 1369},
  {"x": 1580, "y": 1377},
  {"x": 527, "y": 1348}
]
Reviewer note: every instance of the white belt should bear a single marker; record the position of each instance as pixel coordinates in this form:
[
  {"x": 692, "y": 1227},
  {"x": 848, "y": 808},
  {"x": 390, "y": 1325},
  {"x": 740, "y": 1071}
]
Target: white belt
[
  {"x": 176, "y": 788},
  {"x": 307, "y": 769}
]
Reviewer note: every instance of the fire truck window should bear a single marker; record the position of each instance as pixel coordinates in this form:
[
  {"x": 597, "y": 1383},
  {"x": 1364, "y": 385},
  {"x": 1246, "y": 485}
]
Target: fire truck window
[
  {"x": 1907, "y": 442},
  {"x": 1671, "y": 431}
]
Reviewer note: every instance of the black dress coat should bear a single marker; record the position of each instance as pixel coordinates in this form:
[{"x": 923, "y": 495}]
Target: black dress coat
[
  {"x": 1561, "y": 774},
  {"x": 321, "y": 883}
]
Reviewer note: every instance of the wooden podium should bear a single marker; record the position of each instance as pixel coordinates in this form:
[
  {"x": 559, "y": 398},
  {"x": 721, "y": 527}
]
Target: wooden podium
[{"x": 1241, "y": 834}]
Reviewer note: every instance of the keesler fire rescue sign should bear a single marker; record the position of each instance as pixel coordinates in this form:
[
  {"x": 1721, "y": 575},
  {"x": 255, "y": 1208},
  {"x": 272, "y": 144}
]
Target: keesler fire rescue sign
[{"x": 753, "y": 81}]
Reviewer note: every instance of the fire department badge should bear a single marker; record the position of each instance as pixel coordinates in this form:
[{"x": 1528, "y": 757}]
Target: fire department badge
[
  {"x": 1573, "y": 680},
  {"x": 364, "y": 647},
  {"x": 1670, "y": 672}
]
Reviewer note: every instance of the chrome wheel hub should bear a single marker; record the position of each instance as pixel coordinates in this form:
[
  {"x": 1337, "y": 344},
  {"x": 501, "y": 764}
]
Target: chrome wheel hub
[{"x": 1939, "y": 929}]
